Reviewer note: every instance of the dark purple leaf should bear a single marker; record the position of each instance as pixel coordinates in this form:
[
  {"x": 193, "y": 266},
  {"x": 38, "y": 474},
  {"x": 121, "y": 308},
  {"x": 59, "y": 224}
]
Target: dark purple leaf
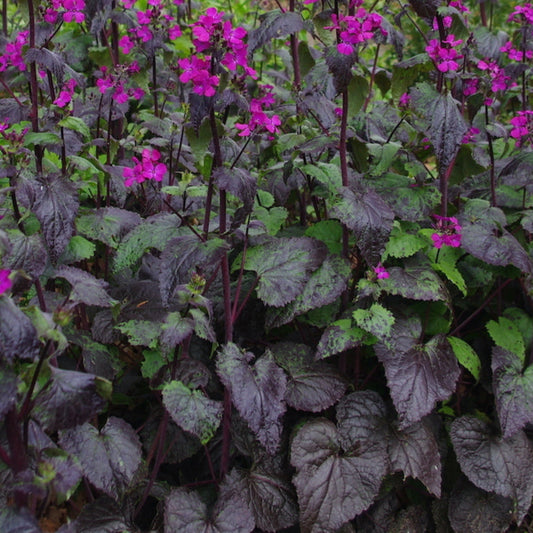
[
  {"x": 8, "y": 391},
  {"x": 472, "y": 510},
  {"x": 101, "y": 516},
  {"x": 27, "y": 253},
  {"x": 184, "y": 256},
  {"x": 325, "y": 285},
  {"x": 416, "y": 283},
  {"x": 51, "y": 61},
  {"x": 311, "y": 385},
  {"x": 14, "y": 520},
  {"x": 339, "y": 469},
  {"x": 70, "y": 399},
  {"x": 107, "y": 224},
  {"x": 175, "y": 329},
  {"x": 257, "y": 391},
  {"x": 109, "y": 458},
  {"x": 415, "y": 452},
  {"x": 284, "y": 267},
  {"x": 18, "y": 337},
  {"x": 445, "y": 123},
  {"x": 55, "y": 207},
  {"x": 418, "y": 375},
  {"x": 192, "y": 410},
  {"x": 485, "y": 237},
  {"x": 369, "y": 217},
  {"x": 340, "y": 66},
  {"x": 238, "y": 182},
  {"x": 272, "y": 499},
  {"x": 338, "y": 337},
  {"x": 513, "y": 390},
  {"x": 85, "y": 287},
  {"x": 425, "y": 8},
  {"x": 13, "y": 111},
  {"x": 186, "y": 512},
  {"x": 64, "y": 472},
  {"x": 274, "y": 25},
  {"x": 493, "y": 463}
]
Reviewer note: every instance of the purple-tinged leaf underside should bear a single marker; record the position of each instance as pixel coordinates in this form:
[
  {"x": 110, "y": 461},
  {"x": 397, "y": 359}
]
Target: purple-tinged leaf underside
[
  {"x": 418, "y": 375},
  {"x": 257, "y": 391},
  {"x": 109, "y": 458},
  {"x": 513, "y": 390},
  {"x": 284, "y": 267},
  {"x": 192, "y": 410},
  {"x": 493, "y": 463},
  {"x": 186, "y": 512},
  {"x": 311, "y": 385}
]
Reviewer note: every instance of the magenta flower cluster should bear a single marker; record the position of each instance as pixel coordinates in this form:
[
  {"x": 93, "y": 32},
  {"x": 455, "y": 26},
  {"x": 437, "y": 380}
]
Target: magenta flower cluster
[
  {"x": 444, "y": 54},
  {"x": 71, "y": 11},
  {"x": 5, "y": 281},
  {"x": 117, "y": 83},
  {"x": 214, "y": 39},
  {"x": 66, "y": 93},
  {"x": 148, "y": 168},
  {"x": 13, "y": 53},
  {"x": 150, "y": 21},
  {"x": 522, "y": 13},
  {"x": 355, "y": 29},
  {"x": 380, "y": 271},
  {"x": 258, "y": 118},
  {"x": 522, "y": 126},
  {"x": 448, "y": 232}
]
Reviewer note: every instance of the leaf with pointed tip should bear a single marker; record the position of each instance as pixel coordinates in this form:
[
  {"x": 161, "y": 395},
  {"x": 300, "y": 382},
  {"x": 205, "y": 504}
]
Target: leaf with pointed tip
[
  {"x": 70, "y": 400},
  {"x": 202, "y": 325},
  {"x": 175, "y": 329},
  {"x": 8, "y": 391},
  {"x": 284, "y": 266},
  {"x": 324, "y": 286},
  {"x": 107, "y": 224},
  {"x": 192, "y": 410},
  {"x": 238, "y": 182},
  {"x": 85, "y": 287},
  {"x": 466, "y": 356},
  {"x": 415, "y": 452},
  {"x": 311, "y": 385},
  {"x": 339, "y": 469},
  {"x": 109, "y": 458},
  {"x": 513, "y": 390},
  {"x": 418, "y": 375},
  {"x": 272, "y": 499},
  {"x": 445, "y": 123},
  {"x": 369, "y": 217},
  {"x": 506, "y": 335},
  {"x": 186, "y": 512},
  {"x": 274, "y": 25},
  {"x": 55, "y": 207},
  {"x": 257, "y": 391},
  {"x": 416, "y": 283},
  {"x": 27, "y": 253},
  {"x": 472, "y": 510},
  {"x": 185, "y": 255},
  {"x": 13, "y": 520},
  {"x": 154, "y": 232},
  {"x": 376, "y": 319},
  {"x": 485, "y": 237},
  {"x": 493, "y": 463},
  {"x": 18, "y": 337}
]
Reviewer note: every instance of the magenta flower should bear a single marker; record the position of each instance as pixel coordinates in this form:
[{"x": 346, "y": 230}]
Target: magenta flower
[
  {"x": 444, "y": 54},
  {"x": 448, "y": 232},
  {"x": 5, "y": 282},
  {"x": 147, "y": 169},
  {"x": 525, "y": 11},
  {"x": 405, "y": 98},
  {"x": 380, "y": 271},
  {"x": 126, "y": 44},
  {"x": 65, "y": 96},
  {"x": 522, "y": 126},
  {"x": 258, "y": 118}
]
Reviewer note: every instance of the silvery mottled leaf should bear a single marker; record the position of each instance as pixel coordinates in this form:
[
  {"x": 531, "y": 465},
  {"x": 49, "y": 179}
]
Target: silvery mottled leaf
[{"x": 257, "y": 391}]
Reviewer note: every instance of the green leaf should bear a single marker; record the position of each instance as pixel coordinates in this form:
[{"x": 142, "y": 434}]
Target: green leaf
[
  {"x": 141, "y": 332},
  {"x": 78, "y": 249},
  {"x": 466, "y": 356},
  {"x": 505, "y": 334},
  {"x": 272, "y": 218},
  {"x": 76, "y": 124},
  {"x": 329, "y": 232},
  {"x": 402, "y": 244},
  {"x": 377, "y": 320},
  {"x": 32, "y": 139},
  {"x": 192, "y": 410},
  {"x": 357, "y": 94},
  {"x": 340, "y": 336},
  {"x": 153, "y": 361}
]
